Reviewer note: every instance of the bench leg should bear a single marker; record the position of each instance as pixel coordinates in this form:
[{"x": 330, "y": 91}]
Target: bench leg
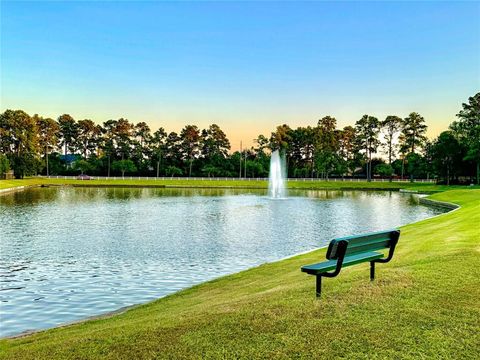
[
  {"x": 319, "y": 286},
  {"x": 372, "y": 270}
]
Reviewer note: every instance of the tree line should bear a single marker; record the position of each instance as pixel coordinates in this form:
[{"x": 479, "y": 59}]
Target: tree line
[{"x": 393, "y": 147}]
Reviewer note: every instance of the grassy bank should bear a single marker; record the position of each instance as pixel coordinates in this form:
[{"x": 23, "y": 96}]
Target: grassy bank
[
  {"x": 424, "y": 304},
  {"x": 247, "y": 184}
]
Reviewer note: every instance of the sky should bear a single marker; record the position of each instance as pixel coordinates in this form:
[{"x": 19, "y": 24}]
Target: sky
[{"x": 246, "y": 66}]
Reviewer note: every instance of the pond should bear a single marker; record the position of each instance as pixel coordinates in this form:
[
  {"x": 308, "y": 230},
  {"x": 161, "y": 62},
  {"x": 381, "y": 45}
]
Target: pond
[{"x": 70, "y": 253}]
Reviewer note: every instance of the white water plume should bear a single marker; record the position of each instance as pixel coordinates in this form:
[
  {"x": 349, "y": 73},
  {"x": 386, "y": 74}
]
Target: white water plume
[{"x": 276, "y": 177}]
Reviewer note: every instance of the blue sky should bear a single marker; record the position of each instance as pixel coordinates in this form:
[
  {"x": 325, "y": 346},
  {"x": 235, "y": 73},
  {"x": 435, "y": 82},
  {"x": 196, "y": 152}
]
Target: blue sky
[{"x": 247, "y": 66}]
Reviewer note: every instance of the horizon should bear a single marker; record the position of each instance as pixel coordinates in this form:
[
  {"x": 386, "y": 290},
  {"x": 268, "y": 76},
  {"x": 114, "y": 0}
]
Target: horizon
[{"x": 247, "y": 67}]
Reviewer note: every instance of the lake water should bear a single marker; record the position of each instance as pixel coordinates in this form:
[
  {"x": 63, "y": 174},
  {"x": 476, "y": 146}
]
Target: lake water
[{"x": 70, "y": 253}]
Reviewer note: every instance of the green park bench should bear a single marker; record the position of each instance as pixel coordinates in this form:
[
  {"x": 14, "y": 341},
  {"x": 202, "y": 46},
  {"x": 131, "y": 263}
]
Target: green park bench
[{"x": 353, "y": 250}]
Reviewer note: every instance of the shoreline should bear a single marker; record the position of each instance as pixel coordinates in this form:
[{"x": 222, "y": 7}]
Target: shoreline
[
  {"x": 130, "y": 186},
  {"x": 422, "y": 201},
  {"x": 105, "y": 315},
  {"x": 7, "y": 186},
  {"x": 441, "y": 204},
  {"x": 19, "y": 188},
  {"x": 10, "y": 190}
]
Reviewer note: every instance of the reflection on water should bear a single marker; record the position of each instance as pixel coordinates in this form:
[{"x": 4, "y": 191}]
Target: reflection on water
[{"x": 69, "y": 253}]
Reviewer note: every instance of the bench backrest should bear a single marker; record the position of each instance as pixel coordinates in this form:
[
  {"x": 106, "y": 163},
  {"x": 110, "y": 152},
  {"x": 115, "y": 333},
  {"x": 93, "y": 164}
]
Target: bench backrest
[{"x": 363, "y": 243}]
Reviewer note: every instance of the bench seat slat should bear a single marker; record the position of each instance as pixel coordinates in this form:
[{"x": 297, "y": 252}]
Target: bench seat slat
[{"x": 319, "y": 268}]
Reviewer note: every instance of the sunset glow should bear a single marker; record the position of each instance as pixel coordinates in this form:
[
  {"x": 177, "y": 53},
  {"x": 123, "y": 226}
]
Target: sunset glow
[{"x": 246, "y": 66}]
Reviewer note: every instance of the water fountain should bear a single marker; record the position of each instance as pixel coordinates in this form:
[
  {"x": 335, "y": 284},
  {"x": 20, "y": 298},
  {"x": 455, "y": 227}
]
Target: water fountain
[{"x": 276, "y": 178}]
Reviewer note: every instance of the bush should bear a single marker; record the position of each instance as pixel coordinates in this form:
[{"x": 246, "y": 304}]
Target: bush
[
  {"x": 384, "y": 170},
  {"x": 4, "y": 164},
  {"x": 124, "y": 166},
  {"x": 173, "y": 171}
]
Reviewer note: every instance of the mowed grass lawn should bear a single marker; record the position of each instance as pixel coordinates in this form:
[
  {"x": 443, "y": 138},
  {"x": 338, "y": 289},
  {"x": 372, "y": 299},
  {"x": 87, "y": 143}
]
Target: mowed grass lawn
[
  {"x": 246, "y": 184},
  {"x": 424, "y": 304}
]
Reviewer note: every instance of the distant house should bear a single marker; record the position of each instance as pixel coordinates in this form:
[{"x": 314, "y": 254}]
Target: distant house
[{"x": 7, "y": 176}]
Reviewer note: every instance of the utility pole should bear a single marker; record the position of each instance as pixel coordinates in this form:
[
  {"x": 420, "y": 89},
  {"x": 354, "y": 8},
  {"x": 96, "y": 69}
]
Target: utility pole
[
  {"x": 367, "y": 152},
  {"x": 245, "y": 165},
  {"x": 46, "y": 151},
  {"x": 240, "y": 174}
]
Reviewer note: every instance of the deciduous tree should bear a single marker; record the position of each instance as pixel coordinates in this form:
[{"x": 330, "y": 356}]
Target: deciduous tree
[{"x": 467, "y": 130}]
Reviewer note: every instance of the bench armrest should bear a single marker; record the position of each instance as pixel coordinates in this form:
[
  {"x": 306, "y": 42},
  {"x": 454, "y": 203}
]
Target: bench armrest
[
  {"x": 393, "y": 243},
  {"x": 341, "y": 251}
]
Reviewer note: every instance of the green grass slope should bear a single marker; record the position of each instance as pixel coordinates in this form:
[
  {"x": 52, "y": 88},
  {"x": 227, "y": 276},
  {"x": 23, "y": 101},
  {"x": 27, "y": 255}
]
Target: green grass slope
[{"x": 423, "y": 304}]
